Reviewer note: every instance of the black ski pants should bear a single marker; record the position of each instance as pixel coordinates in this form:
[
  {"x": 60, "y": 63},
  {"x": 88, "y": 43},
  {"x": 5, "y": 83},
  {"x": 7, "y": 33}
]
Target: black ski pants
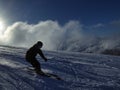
[{"x": 34, "y": 63}]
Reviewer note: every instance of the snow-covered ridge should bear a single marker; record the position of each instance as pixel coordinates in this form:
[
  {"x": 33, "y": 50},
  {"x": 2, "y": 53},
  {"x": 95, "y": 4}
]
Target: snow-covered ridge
[
  {"x": 92, "y": 45},
  {"x": 79, "y": 71}
]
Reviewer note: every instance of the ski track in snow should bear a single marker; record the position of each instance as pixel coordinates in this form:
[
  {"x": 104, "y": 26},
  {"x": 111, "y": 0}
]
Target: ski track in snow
[{"x": 79, "y": 71}]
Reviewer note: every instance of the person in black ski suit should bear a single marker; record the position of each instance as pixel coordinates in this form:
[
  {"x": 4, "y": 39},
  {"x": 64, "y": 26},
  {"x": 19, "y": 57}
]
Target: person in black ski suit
[{"x": 31, "y": 56}]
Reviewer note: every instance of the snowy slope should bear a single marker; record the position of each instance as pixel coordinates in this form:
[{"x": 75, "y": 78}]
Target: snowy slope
[{"x": 80, "y": 71}]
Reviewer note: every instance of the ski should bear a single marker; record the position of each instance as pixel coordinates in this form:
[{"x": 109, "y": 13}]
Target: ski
[
  {"x": 50, "y": 75},
  {"x": 45, "y": 74}
]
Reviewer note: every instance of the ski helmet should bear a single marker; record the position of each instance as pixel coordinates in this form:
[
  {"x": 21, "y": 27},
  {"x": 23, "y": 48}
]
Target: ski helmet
[{"x": 39, "y": 43}]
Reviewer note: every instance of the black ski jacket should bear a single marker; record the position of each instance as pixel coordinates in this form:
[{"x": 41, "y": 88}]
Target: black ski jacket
[{"x": 33, "y": 51}]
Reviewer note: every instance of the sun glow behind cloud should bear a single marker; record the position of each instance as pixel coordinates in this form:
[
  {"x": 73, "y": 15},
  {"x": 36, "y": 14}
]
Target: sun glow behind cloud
[{"x": 2, "y": 26}]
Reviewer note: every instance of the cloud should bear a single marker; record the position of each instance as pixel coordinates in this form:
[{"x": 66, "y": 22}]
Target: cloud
[
  {"x": 99, "y": 25},
  {"x": 115, "y": 23},
  {"x": 69, "y": 37},
  {"x": 104, "y": 29},
  {"x": 111, "y": 42},
  {"x": 49, "y": 32}
]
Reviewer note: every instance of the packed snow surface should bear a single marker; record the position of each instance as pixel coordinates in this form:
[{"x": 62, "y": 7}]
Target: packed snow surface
[{"x": 79, "y": 71}]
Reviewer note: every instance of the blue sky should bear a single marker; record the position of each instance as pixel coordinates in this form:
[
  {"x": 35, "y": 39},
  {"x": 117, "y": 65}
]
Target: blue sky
[{"x": 90, "y": 13}]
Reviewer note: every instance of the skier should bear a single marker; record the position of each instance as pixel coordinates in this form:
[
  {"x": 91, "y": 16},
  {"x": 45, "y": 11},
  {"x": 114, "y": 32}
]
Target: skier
[{"x": 31, "y": 54}]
